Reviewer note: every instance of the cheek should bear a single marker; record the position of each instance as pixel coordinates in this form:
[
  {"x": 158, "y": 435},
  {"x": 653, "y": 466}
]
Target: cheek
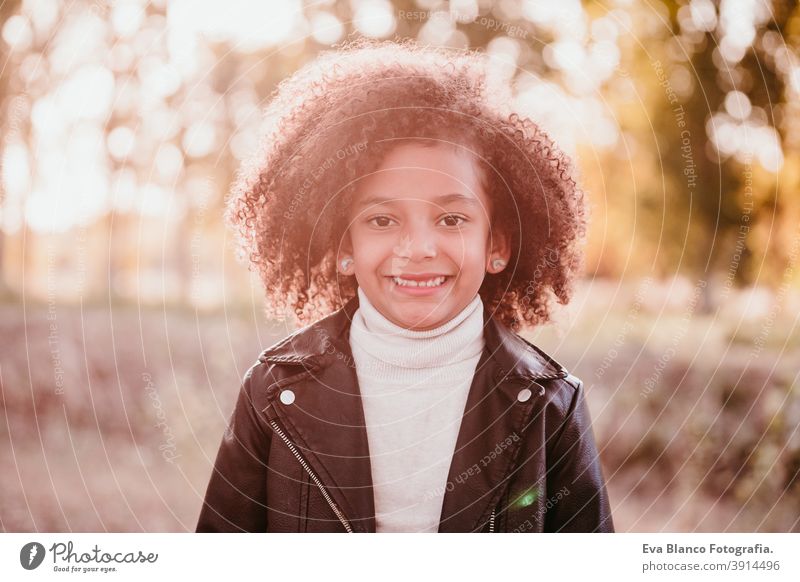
[
  {"x": 470, "y": 252},
  {"x": 368, "y": 250}
]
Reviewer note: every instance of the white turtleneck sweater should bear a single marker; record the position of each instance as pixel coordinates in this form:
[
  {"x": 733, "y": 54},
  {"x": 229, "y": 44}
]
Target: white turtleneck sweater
[{"x": 414, "y": 387}]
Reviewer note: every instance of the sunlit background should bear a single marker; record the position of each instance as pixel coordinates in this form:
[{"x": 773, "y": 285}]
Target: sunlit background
[{"x": 127, "y": 323}]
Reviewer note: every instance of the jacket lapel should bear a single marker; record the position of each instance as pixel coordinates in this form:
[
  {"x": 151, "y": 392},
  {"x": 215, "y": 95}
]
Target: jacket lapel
[
  {"x": 492, "y": 428},
  {"x": 326, "y": 418}
]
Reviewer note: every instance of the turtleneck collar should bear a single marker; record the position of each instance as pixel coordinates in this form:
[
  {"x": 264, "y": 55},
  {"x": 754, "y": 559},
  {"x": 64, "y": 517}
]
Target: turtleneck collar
[{"x": 394, "y": 346}]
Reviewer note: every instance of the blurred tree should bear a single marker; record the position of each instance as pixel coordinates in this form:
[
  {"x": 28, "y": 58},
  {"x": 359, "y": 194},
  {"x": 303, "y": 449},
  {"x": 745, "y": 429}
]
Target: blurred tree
[
  {"x": 7, "y": 9},
  {"x": 184, "y": 93},
  {"x": 723, "y": 139}
]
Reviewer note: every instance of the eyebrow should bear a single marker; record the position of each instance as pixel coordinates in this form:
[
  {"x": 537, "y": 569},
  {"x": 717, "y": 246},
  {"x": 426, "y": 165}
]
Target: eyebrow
[{"x": 440, "y": 200}]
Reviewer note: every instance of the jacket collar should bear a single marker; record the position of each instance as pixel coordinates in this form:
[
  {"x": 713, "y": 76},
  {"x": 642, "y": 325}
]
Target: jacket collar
[
  {"x": 326, "y": 420},
  {"x": 512, "y": 355}
]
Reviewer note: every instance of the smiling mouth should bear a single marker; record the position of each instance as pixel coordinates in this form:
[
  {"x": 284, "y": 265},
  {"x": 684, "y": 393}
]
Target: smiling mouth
[{"x": 432, "y": 282}]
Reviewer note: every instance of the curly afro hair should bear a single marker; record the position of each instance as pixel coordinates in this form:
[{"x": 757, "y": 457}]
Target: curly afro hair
[{"x": 336, "y": 118}]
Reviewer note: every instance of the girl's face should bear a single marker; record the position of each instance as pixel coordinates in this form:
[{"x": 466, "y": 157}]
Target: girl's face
[{"x": 420, "y": 235}]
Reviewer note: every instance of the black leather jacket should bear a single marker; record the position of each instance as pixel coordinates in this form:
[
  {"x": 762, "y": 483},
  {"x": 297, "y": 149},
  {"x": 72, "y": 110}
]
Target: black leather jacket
[{"x": 295, "y": 455}]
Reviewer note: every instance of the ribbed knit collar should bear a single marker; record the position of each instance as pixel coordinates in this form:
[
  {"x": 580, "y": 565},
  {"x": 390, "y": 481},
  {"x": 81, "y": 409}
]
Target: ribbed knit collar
[{"x": 453, "y": 342}]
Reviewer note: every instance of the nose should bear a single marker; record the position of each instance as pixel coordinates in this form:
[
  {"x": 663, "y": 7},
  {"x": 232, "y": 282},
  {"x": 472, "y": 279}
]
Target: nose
[{"x": 417, "y": 242}]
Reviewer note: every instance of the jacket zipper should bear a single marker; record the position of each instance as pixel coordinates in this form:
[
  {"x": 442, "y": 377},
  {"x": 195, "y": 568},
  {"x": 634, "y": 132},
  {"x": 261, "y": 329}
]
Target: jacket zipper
[
  {"x": 314, "y": 478},
  {"x": 491, "y": 522}
]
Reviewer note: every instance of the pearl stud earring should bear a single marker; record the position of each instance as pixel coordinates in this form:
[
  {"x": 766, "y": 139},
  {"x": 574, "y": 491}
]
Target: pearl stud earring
[
  {"x": 346, "y": 263},
  {"x": 498, "y": 264}
]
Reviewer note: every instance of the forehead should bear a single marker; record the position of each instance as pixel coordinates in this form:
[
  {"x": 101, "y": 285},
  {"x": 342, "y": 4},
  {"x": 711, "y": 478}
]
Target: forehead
[{"x": 439, "y": 174}]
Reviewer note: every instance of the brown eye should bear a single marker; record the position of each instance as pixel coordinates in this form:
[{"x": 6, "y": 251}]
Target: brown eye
[
  {"x": 453, "y": 220},
  {"x": 380, "y": 221}
]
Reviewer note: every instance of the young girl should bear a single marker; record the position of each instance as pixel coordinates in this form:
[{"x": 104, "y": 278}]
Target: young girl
[{"x": 397, "y": 198}]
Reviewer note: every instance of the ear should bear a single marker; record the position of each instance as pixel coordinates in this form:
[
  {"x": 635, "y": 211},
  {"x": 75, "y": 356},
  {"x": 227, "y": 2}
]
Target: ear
[
  {"x": 344, "y": 258},
  {"x": 500, "y": 248}
]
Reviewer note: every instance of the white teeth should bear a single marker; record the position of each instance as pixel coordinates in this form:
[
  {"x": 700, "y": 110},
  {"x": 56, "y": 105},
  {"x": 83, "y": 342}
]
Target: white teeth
[{"x": 435, "y": 282}]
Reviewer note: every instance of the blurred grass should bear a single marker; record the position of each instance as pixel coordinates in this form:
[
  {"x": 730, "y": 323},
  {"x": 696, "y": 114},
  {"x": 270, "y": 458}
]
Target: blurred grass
[
  {"x": 714, "y": 445},
  {"x": 137, "y": 392}
]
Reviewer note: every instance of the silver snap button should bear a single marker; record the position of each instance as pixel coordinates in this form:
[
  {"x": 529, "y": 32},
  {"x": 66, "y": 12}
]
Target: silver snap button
[
  {"x": 524, "y": 395},
  {"x": 287, "y": 396}
]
